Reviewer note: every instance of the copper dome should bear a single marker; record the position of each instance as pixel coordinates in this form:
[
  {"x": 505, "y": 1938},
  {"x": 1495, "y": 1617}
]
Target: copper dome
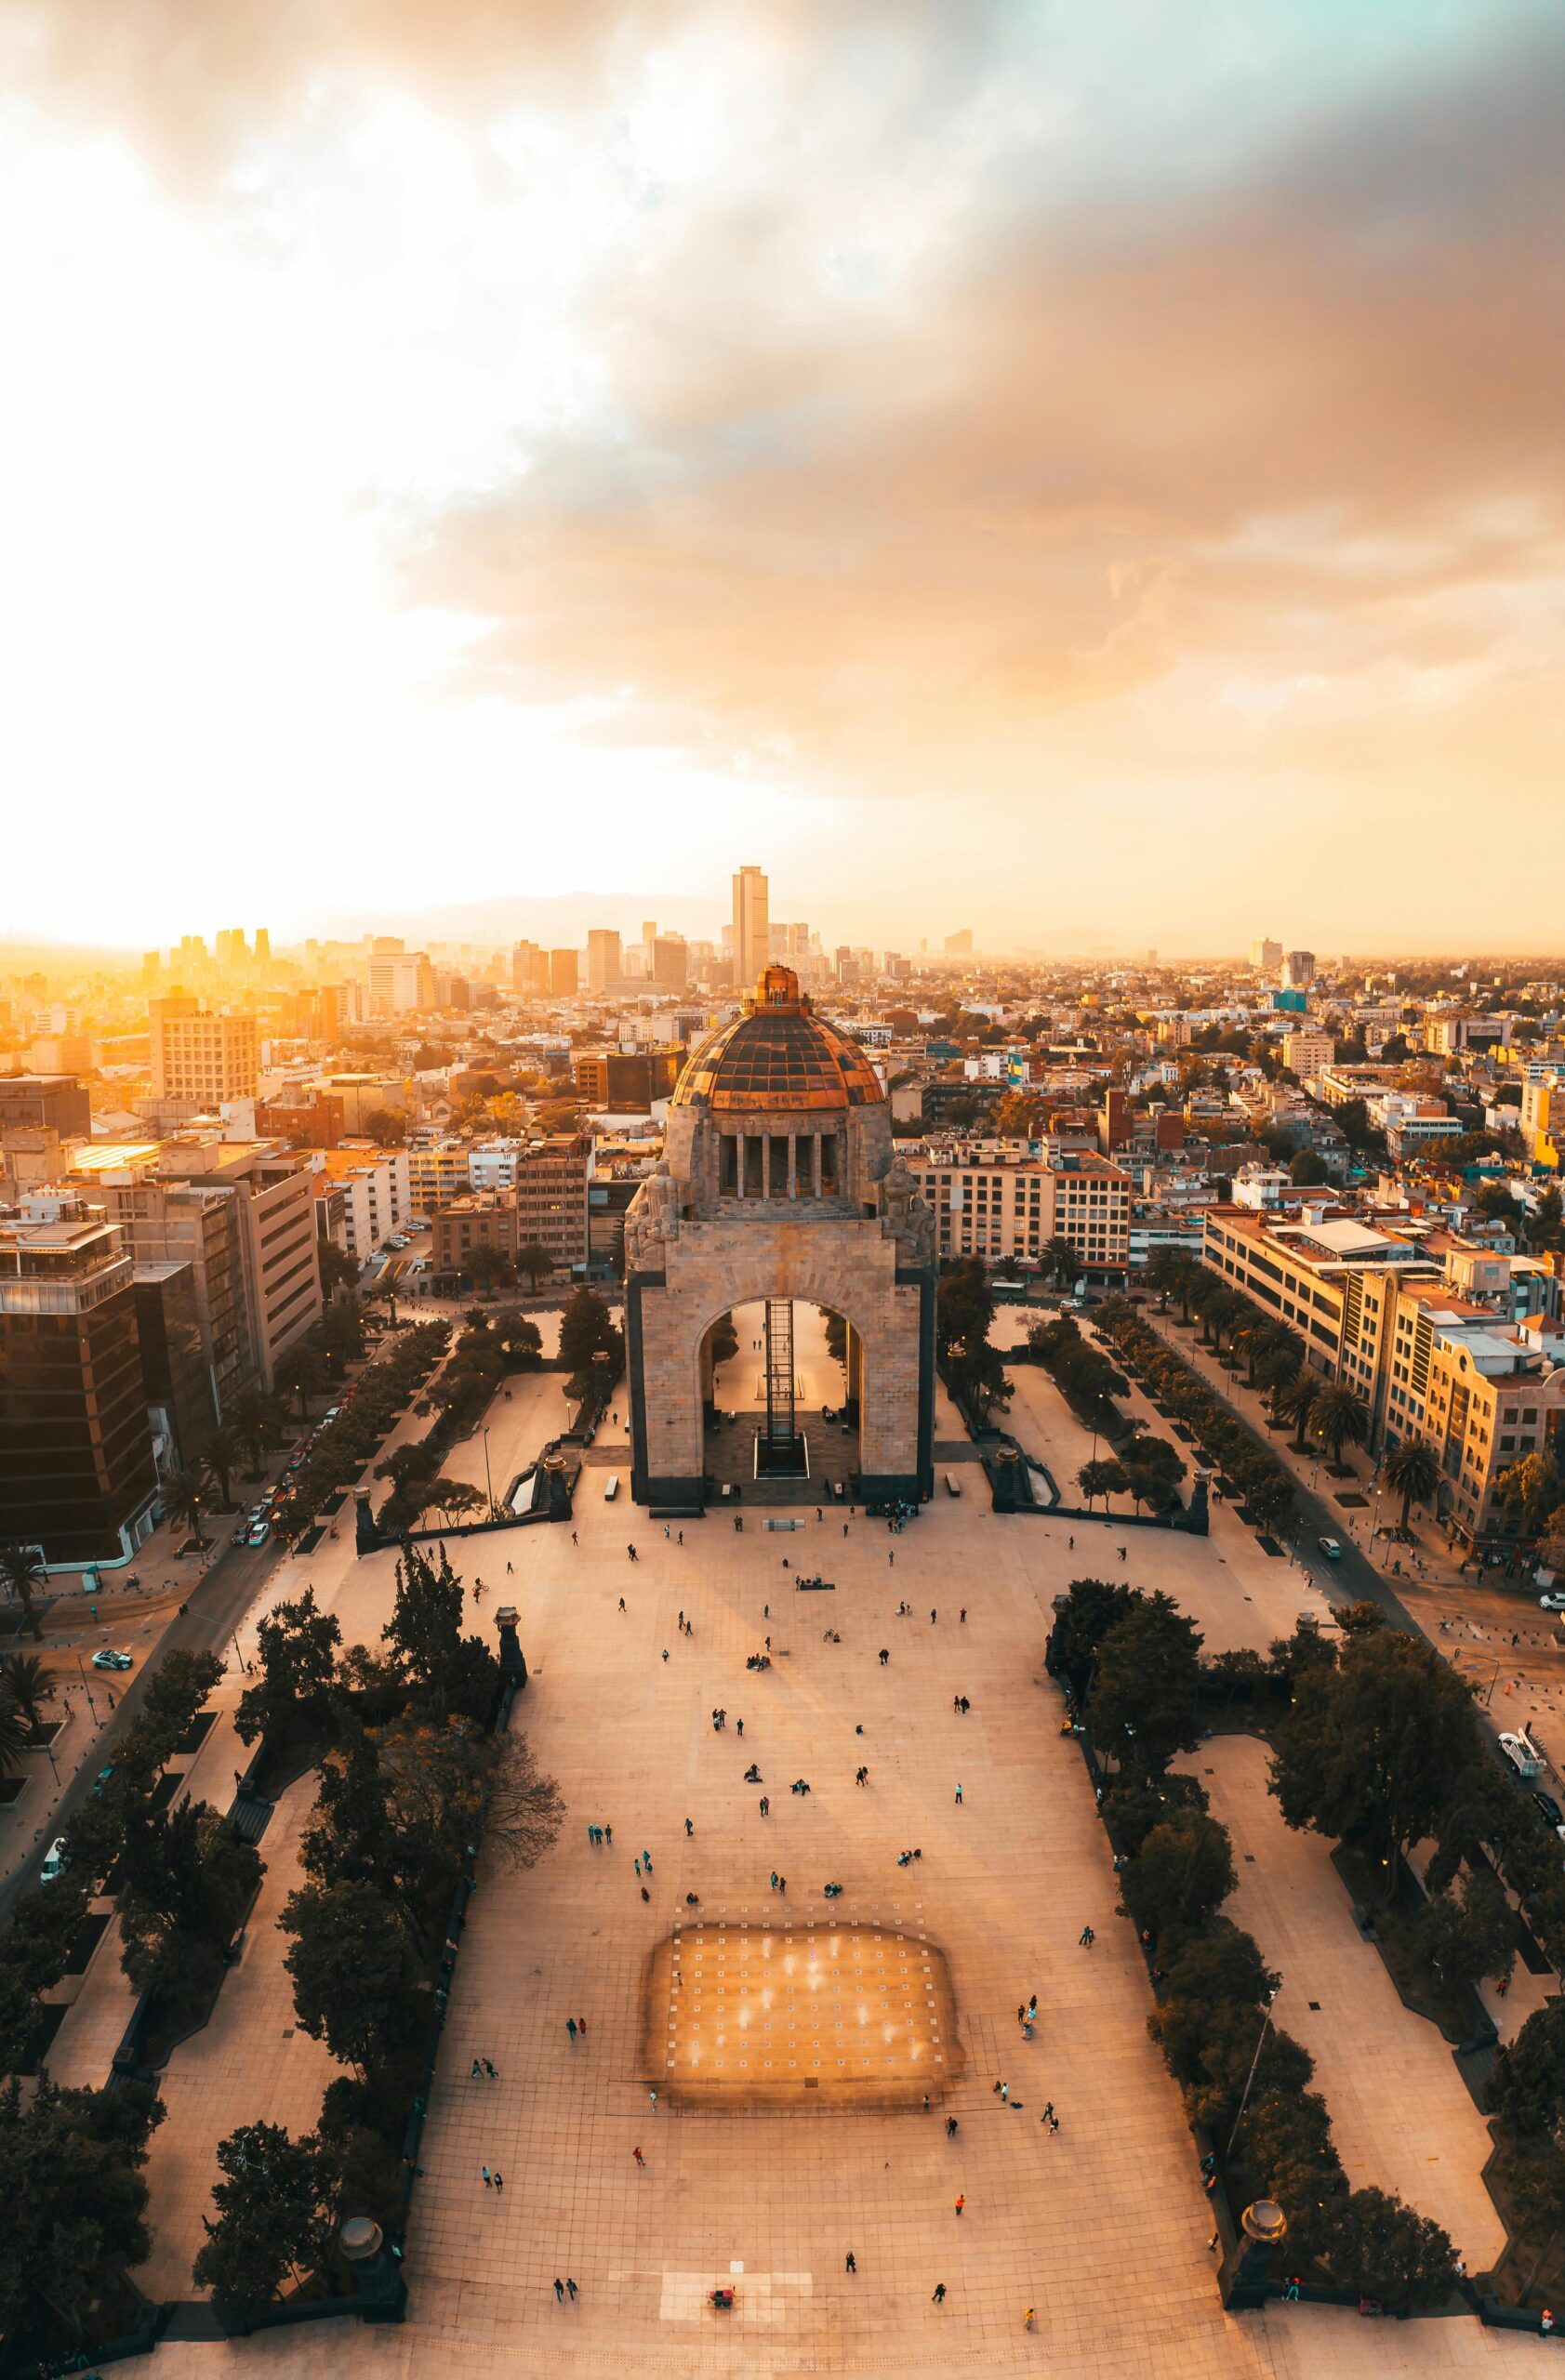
[{"x": 779, "y": 1058}]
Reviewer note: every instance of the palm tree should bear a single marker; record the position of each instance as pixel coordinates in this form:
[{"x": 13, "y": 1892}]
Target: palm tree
[
  {"x": 222, "y": 1448},
  {"x": 24, "y": 1575},
  {"x": 1058, "y": 1261},
  {"x": 1338, "y": 1417},
  {"x": 488, "y": 1266},
  {"x": 1168, "y": 1271},
  {"x": 301, "y": 1373},
  {"x": 15, "y": 1736},
  {"x": 183, "y": 1495},
  {"x": 30, "y": 1686},
  {"x": 1295, "y": 1402},
  {"x": 1412, "y": 1469},
  {"x": 254, "y": 1415},
  {"x": 534, "y": 1262}
]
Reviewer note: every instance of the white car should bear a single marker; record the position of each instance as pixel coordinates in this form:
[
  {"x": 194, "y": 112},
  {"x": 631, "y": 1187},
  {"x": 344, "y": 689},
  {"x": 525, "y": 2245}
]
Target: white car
[
  {"x": 54, "y": 1861},
  {"x": 107, "y": 1660},
  {"x": 1330, "y": 1548},
  {"x": 1552, "y": 1602}
]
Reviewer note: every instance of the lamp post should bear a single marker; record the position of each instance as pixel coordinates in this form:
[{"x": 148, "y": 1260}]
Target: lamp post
[{"x": 488, "y": 1483}]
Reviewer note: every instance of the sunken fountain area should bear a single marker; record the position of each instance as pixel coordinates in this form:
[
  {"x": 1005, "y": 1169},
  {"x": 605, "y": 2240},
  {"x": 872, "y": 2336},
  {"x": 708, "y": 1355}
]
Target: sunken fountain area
[{"x": 751, "y": 2009}]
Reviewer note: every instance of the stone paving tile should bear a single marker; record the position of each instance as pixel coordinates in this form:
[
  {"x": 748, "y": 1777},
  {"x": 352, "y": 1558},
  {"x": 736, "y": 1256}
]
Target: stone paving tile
[{"x": 1401, "y": 2114}]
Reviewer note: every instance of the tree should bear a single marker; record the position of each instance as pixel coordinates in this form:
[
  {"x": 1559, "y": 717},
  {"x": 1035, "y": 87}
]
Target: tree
[
  {"x": 1091, "y": 1609},
  {"x": 1308, "y": 1168},
  {"x": 301, "y": 1373},
  {"x": 188, "y": 1875},
  {"x": 1295, "y": 1401},
  {"x": 75, "y": 2202},
  {"x": 1269, "y": 1495},
  {"x": 275, "y": 2216},
  {"x": 219, "y": 1451},
  {"x": 586, "y": 1331},
  {"x": 174, "y": 1693},
  {"x": 1381, "y": 2247},
  {"x": 1286, "y": 2142},
  {"x": 534, "y": 1263},
  {"x": 339, "y": 1270},
  {"x": 964, "y": 1308},
  {"x": 517, "y": 1338},
  {"x": 340, "y": 1334},
  {"x": 356, "y": 1972},
  {"x": 385, "y": 1129},
  {"x": 452, "y": 1498},
  {"x": 298, "y": 1644},
  {"x": 1058, "y": 1261},
  {"x": 1412, "y": 1471},
  {"x": 1530, "y": 1489},
  {"x": 24, "y": 1578},
  {"x": 489, "y": 1266},
  {"x": 1368, "y": 1751},
  {"x": 1182, "y": 1874},
  {"x": 425, "y": 1643},
  {"x": 1153, "y": 1470},
  {"x": 453, "y": 1786},
  {"x": 16, "y": 1737},
  {"x": 1464, "y": 1935},
  {"x": 1337, "y": 1415},
  {"x": 1527, "y": 2086},
  {"x": 28, "y": 1685},
  {"x": 184, "y": 1496},
  {"x": 1103, "y": 1477},
  {"x": 723, "y": 1339},
  {"x": 1145, "y": 1703},
  {"x": 255, "y": 1415}
]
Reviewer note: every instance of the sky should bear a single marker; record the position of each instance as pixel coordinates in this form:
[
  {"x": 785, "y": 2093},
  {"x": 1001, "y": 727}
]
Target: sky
[{"x": 1083, "y": 470}]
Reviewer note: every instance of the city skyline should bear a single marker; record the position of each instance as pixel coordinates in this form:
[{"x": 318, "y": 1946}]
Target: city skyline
[{"x": 1001, "y": 491}]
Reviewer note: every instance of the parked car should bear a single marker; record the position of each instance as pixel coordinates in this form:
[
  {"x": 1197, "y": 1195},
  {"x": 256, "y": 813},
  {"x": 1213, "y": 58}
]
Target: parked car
[
  {"x": 107, "y": 1660},
  {"x": 1550, "y": 1806},
  {"x": 1330, "y": 1548},
  {"x": 1522, "y": 1753},
  {"x": 1552, "y": 1602},
  {"x": 258, "y": 1533},
  {"x": 54, "y": 1861}
]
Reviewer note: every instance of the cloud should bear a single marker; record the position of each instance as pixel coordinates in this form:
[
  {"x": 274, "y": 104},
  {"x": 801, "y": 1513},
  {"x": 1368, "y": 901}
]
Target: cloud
[{"x": 1300, "y": 428}]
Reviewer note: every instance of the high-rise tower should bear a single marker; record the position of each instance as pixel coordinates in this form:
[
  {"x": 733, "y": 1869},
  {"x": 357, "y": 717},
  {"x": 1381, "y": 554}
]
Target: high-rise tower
[{"x": 751, "y": 927}]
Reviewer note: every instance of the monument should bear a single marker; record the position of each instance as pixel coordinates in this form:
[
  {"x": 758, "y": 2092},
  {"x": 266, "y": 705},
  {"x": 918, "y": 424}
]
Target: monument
[{"x": 779, "y": 1182}]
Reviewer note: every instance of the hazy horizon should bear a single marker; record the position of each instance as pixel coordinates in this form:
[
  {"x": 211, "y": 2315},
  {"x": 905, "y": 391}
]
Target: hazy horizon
[{"x": 899, "y": 444}]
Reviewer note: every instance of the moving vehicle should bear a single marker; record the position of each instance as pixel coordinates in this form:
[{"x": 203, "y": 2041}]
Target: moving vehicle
[
  {"x": 1554, "y": 1602},
  {"x": 1522, "y": 1753},
  {"x": 108, "y": 1660},
  {"x": 1330, "y": 1548},
  {"x": 257, "y": 1533},
  {"x": 54, "y": 1861}
]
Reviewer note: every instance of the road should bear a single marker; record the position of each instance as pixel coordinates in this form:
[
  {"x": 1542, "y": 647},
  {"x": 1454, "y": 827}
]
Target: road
[{"x": 218, "y": 1600}]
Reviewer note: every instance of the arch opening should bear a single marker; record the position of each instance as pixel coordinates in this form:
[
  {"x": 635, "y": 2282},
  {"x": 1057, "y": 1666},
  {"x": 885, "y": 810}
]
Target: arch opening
[{"x": 782, "y": 1388}]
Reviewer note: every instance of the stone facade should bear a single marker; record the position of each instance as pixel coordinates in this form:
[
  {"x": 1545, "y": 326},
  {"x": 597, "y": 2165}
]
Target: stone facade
[{"x": 804, "y": 1201}]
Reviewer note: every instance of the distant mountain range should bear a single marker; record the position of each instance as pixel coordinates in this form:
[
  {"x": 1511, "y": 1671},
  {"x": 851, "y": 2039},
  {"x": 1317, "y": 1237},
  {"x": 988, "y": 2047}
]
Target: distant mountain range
[{"x": 558, "y": 921}]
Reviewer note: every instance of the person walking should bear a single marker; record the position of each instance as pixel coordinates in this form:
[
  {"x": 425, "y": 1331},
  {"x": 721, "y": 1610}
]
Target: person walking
[
  {"x": 950, "y": 2127},
  {"x": 632, "y": 1551},
  {"x": 1086, "y": 1938},
  {"x": 581, "y": 2027},
  {"x": 559, "y": 2291},
  {"x": 575, "y": 1540},
  {"x": 938, "y": 2295},
  {"x": 608, "y": 1836},
  {"x": 500, "y": 2179},
  {"x": 961, "y": 2201},
  {"x": 738, "y": 1726},
  {"x": 488, "y": 2178},
  {"x": 934, "y": 1616},
  {"x": 490, "y": 2072},
  {"x": 1048, "y": 2114},
  {"x": 765, "y": 1805},
  {"x": 646, "y": 1861},
  {"x": 570, "y": 2027},
  {"x": 570, "y": 2288},
  {"x": 638, "y": 2158},
  {"x": 962, "y": 1615},
  {"x": 688, "y": 1829},
  {"x": 885, "y": 1655},
  {"x": 652, "y": 2094},
  {"x": 1027, "y": 2320},
  {"x": 477, "y": 2074},
  {"x": 850, "y": 2263},
  {"x": 959, "y": 1792}
]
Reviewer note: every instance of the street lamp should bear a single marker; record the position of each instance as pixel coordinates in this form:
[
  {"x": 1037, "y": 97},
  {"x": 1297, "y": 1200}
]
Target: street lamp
[{"x": 488, "y": 1482}]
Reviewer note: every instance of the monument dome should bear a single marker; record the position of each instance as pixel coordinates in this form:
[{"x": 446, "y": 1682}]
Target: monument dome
[{"x": 778, "y": 1058}]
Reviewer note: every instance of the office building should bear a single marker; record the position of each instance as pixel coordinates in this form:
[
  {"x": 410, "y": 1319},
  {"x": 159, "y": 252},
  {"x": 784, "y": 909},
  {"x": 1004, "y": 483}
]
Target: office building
[
  {"x": 1004, "y": 1207},
  {"x": 1266, "y": 956},
  {"x": 550, "y": 1196},
  {"x": 77, "y": 1478},
  {"x": 670, "y": 961},
  {"x": 564, "y": 974},
  {"x": 180, "y": 1411},
  {"x": 401, "y": 983},
  {"x": 57, "y": 1103},
  {"x": 605, "y": 959},
  {"x": 1298, "y": 970},
  {"x": 376, "y": 1195},
  {"x": 1308, "y": 1053},
  {"x": 623, "y": 1082},
  {"x": 200, "y": 1054},
  {"x": 752, "y": 939},
  {"x": 529, "y": 967}
]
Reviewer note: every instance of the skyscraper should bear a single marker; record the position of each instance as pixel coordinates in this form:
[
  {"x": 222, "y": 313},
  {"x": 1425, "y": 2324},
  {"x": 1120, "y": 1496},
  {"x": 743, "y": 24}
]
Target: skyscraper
[
  {"x": 752, "y": 947},
  {"x": 1298, "y": 970},
  {"x": 605, "y": 964},
  {"x": 1266, "y": 953}
]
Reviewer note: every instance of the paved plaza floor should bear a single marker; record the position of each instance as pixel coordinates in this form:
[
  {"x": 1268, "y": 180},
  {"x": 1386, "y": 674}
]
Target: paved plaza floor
[{"x": 1101, "y": 2227}]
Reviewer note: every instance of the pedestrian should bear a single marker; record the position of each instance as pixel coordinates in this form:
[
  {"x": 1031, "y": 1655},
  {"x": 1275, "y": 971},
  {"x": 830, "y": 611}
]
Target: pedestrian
[
  {"x": 1048, "y": 2114},
  {"x": 844, "y": 1529},
  {"x": 681, "y": 1537},
  {"x": 488, "y": 2178},
  {"x": 765, "y": 1805},
  {"x": 645, "y": 1895},
  {"x": 632, "y": 1551},
  {"x": 581, "y": 2027},
  {"x": 773, "y": 1879},
  {"x": 688, "y": 1828},
  {"x": 939, "y": 2295},
  {"x": 956, "y": 1704},
  {"x": 959, "y": 1792},
  {"x": 574, "y": 1538},
  {"x": 950, "y": 2127},
  {"x": 571, "y": 2288},
  {"x": 782, "y": 1884},
  {"x": 638, "y": 2158},
  {"x": 1072, "y": 1547},
  {"x": 665, "y": 1652},
  {"x": 652, "y": 2094},
  {"x": 1053, "y": 2125},
  {"x": 891, "y": 1557},
  {"x": 608, "y": 1835},
  {"x": 961, "y": 2201},
  {"x": 665, "y": 1530},
  {"x": 1027, "y": 2320},
  {"x": 681, "y": 1619},
  {"x": 500, "y": 2179},
  {"x": 646, "y": 1861},
  {"x": 1021, "y": 2013},
  {"x": 490, "y": 2072},
  {"x": 511, "y": 1570},
  {"x": 477, "y": 2074},
  {"x": 1032, "y": 2005},
  {"x": 934, "y": 1616},
  {"x": 570, "y": 2027},
  {"x": 885, "y": 1655},
  {"x": 1086, "y": 1937},
  {"x": 559, "y": 2291},
  {"x": 849, "y": 2262},
  {"x": 621, "y": 1603},
  {"x": 638, "y": 1866},
  {"x": 962, "y": 1615}
]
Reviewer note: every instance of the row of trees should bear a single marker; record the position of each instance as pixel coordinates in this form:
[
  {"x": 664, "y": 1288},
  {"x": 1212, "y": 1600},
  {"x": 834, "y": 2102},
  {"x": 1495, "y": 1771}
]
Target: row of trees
[
  {"x": 494, "y": 1268},
  {"x": 71, "y": 2159},
  {"x": 963, "y": 1316},
  {"x": 380, "y": 1396},
  {"x": 1130, "y": 1662},
  {"x": 1266, "y": 1488},
  {"x": 413, "y": 1785}
]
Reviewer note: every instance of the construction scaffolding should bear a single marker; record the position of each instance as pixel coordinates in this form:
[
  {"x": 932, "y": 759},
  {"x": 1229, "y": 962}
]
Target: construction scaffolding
[{"x": 781, "y": 1449}]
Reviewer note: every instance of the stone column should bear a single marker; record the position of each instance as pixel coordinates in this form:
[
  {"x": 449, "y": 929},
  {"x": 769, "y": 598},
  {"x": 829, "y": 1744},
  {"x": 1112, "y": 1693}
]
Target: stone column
[
  {"x": 793, "y": 1164},
  {"x": 766, "y": 1165},
  {"x": 814, "y": 1165}
]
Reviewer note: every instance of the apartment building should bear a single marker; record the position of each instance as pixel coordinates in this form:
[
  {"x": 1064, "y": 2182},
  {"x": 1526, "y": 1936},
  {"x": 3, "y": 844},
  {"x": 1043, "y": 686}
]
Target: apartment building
[
  {"x": 625, "y": 1082},
  {"x": 57, "y": 1103},
  {"x": 479, "y": 1219},
  {"x": 551, "y": 1195},
  {"x": 1308, "y": 1053},
  {"x": 437, "y": 1174},
  {"x": 207, "y": 1055},
  {"x": 375, "y": 1186},
  {"x": 77, "y": 1478},
  {"x": 401, "y": 983},
  {"x": 1006, "y": 1207}
]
